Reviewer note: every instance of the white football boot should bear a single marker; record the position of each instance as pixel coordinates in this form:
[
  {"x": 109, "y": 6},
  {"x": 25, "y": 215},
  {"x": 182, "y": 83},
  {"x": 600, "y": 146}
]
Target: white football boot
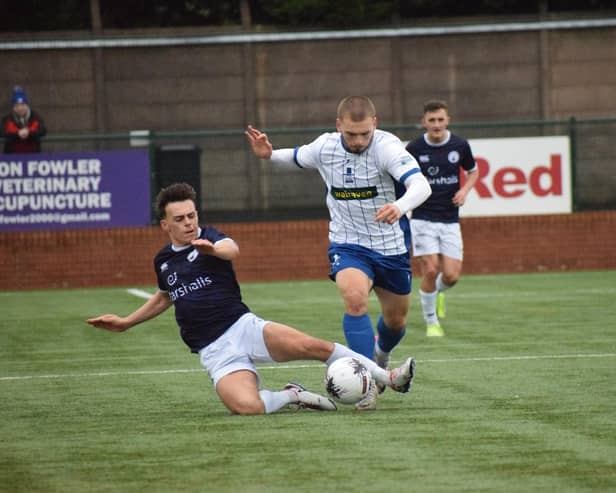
[
  {"x": 401, "y": 378},
  {"x": 310, "y": 400}
]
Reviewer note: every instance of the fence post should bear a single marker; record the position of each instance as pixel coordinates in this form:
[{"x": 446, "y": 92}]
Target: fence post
[{"x": 573, "y": 151}]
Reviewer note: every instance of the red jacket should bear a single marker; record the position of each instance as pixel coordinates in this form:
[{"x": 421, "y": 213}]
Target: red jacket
[{"x": 11, "y": 125}]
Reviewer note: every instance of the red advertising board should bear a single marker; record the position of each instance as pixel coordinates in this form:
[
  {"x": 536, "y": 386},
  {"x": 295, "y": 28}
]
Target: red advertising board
[{"x": 520, "y": 176}]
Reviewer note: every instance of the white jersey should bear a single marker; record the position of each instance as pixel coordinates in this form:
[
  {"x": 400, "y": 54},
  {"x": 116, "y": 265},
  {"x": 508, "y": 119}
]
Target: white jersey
[{"x": 358, "y": 185}]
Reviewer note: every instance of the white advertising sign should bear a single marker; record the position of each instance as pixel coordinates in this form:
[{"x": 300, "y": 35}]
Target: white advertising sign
[{"x": 520, "y": 176}]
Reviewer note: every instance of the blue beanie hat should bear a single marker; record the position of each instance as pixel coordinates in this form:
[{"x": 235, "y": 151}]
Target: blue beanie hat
[{"x": 19, "y": 96}]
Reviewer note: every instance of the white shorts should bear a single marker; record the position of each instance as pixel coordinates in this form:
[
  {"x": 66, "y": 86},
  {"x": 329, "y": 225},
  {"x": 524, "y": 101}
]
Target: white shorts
[
  {"x": 431, "y": 238},
  {"x": 237, "y": 349}
]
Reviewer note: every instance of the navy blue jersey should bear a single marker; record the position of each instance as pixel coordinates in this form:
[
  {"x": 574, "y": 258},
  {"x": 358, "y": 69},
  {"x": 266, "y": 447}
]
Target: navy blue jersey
[
  {"x": 203, "y": 288},
  {"x": 441, "y": 165}
]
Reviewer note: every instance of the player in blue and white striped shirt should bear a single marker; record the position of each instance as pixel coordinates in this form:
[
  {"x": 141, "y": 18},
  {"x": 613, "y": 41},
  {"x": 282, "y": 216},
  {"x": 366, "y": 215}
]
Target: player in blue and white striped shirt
[{"x": 372, "y": 182}]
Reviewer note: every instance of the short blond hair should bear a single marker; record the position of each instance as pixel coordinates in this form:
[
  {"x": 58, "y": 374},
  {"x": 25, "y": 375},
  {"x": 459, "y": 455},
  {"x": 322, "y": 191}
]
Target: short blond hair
[{"x": 357, "y": 108}]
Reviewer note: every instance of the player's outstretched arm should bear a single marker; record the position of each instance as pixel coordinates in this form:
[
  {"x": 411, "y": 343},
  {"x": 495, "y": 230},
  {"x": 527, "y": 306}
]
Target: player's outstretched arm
[
  {"x": 261, "y": 146},
  {"x": 150, "y": 309},
  {"x": 225, "y": 249}
]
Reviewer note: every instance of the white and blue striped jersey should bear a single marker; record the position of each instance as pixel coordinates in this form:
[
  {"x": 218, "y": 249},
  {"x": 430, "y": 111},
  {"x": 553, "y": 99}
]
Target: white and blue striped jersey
[{"x": 358, "y": 185}]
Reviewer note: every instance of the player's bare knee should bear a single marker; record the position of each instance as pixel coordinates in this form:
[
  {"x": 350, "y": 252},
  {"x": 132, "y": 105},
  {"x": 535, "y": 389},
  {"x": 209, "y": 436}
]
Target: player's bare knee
[
  {"x": 356, "y": 305},
  {"x": 450, "y": 279},
  {"x": 429, "y": 273},
  {"x": 395, "y": 322}
]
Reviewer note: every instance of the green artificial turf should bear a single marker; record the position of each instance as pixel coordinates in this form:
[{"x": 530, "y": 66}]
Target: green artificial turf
[{"x": 519, "y": 396}]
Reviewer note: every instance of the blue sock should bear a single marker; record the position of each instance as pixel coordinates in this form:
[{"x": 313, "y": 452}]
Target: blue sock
[
  {"x": 388, "y": 339},
  {"x": 359, "y": 334}
]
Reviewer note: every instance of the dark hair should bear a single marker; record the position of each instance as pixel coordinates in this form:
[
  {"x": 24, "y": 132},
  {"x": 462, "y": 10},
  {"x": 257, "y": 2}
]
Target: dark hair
[
  {"x": 176, "y": 192},
  {"x": 358, "y": 108},
  {"x": 435, "y": 105}
]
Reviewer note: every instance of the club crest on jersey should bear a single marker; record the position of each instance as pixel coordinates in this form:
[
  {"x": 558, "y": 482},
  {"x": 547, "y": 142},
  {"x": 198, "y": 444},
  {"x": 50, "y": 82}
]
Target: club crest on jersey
[
  {"x": 349, "y": 175},
  {"x": 336, "y": 260},
  {"x": 192, "y": 255},
  {"x": 172, "y": 278},
  {"x": 453, "y": 157}
]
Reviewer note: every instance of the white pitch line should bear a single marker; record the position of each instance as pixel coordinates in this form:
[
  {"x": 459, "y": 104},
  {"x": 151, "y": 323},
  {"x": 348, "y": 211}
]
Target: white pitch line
[
  {"x": 312, "y": 365},
  {"x": 139, "y": 293}
]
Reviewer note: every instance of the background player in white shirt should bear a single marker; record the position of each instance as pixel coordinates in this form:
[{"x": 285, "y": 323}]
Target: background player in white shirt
[
  {"x": 435, "y": 225},
  {"x": 372, "y": 182},
  {"x": 195, "y": 273}
]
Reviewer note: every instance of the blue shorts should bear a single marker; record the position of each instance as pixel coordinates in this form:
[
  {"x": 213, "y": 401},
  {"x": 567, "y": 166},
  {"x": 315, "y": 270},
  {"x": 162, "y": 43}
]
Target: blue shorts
[{"x": 392, "y": 273}]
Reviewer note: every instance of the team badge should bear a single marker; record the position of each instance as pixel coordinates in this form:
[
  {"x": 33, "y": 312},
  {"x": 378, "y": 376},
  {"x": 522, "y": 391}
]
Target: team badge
[
  {"x": 349, "y": 175},
  {"x": 453, "y": 157},
  {"x": 192, "y": 255}
]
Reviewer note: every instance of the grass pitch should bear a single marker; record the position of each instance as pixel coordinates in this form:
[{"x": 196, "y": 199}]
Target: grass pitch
[{"x": 519, "y": 396}]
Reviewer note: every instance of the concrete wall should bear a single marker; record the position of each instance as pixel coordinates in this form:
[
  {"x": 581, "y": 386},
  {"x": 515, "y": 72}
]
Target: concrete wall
[
  {"x": 498, "y": 76},
  {"x": 297, "y": 250},
  {"x": 505, "y": 76}
]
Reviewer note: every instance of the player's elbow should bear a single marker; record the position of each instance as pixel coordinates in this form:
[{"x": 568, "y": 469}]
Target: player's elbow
[{"x": 427, "y": 189}]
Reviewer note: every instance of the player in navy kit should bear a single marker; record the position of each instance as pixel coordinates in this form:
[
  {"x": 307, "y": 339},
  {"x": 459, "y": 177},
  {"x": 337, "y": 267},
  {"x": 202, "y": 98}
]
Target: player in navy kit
[
  {"x": 435, "y": 225},
  {"x": 195, "y": 273},
  {"x": 372, "y": 182}
]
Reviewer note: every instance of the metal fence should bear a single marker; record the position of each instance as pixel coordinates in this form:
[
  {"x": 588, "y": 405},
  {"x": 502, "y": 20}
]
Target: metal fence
[{"x": 235, "y": 186}]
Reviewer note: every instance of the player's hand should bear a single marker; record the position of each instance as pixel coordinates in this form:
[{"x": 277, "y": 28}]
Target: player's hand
[
  {"x": 23, "y": 133},
  {"x": 459, "y": 198},
  {"x": 389, "y": 214},
  {"x": 110, "y": 322},
  {"x": 259, "y": 142},
  {"x": 204, "y": 247}
]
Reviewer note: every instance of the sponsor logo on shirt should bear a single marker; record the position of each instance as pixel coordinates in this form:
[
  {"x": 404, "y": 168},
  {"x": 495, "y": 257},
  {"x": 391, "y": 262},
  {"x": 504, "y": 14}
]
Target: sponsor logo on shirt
[
  {"x": 443, "y": 180},
  {"x": 172, "y": 278},
  {"x": 184, "y": 289},
  {"x": 354, "y": 193}
]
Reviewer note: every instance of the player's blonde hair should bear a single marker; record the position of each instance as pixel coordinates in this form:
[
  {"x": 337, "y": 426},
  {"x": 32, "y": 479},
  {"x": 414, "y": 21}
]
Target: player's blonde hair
[{"x": 357, "y": 108}]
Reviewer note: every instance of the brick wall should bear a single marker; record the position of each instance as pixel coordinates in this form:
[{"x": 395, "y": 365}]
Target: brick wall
[{"x": 297, "y": 250}]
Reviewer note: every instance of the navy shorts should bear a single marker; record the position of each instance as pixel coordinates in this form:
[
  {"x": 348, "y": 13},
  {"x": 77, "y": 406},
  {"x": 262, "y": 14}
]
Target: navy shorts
[{"x": 390, "y": 272}]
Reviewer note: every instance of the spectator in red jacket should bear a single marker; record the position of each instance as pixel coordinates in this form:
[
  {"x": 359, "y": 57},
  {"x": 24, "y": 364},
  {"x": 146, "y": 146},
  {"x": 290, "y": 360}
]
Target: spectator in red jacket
[{"x": 22, "y": 128}]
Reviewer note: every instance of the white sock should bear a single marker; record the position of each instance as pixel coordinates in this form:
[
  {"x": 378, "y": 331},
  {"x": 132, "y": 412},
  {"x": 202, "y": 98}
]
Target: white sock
[
  {"x": 428, "y": 306},
  {"x": 379, "y": 374},
  {"x": 440, "y": 285},
  {"x": 275, "y": 401}
]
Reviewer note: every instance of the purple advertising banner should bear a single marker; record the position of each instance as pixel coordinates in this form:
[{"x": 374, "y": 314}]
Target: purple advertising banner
[{"x": 74, "y": 190}]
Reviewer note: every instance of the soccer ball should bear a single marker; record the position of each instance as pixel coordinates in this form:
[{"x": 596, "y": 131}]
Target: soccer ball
[{"x": 347, "y": 380}]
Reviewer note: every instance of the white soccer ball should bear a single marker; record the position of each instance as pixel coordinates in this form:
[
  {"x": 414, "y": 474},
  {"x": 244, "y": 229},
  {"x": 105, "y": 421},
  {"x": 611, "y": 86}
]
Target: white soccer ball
[{"x": 347, "y": 380}]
